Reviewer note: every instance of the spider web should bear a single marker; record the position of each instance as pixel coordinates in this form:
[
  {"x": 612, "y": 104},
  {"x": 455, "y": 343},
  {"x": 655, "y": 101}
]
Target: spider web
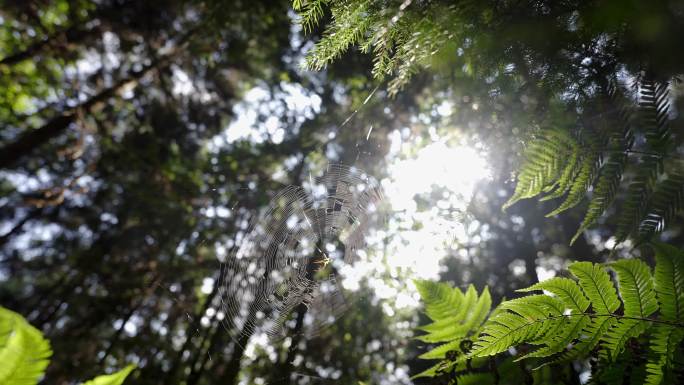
[{"x": 290, "y": 255}]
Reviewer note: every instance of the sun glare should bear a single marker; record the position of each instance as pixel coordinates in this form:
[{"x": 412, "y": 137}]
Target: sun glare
[
  {"x": 454, "y": 169},
  {"x": 443, "y": 177}
]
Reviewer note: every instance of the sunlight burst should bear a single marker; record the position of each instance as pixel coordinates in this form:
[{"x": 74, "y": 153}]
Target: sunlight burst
[{"x": 443, "y": 178}]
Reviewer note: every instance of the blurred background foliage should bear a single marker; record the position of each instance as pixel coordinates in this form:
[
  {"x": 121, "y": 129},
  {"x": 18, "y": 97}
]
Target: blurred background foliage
[{"x": 138, "y": 139}]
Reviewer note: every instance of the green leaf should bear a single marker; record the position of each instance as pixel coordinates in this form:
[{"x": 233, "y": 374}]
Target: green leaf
[
  {"x": 462, "y": 321},
  {"x": 475, "y": 379},
  {"x": 572, "y": 318},
  {"x": 580, "y": 185},
  {"x": 596, "y": 284},
  {"x": 526, "y": 319},
  {"x": 456, "y": 316},
  {"x": 636, "y": 287},
  {"x": 112, "y": 379},
  {"x": 669, "y": 281},
  {"x": 616, "y": 338},
  {"x": 566, "y": 289},
  {"x": 441, "y": 351},
  {"x": 605, "y": 189},
  {"x": 589, "y": 338},
  {"x": 436, "y": 369},
  {"x": 440, "y": 299},
  {"x": 544, "y": 165},
  {"x": 664, "y": 344},
  {"x": 24, "y": 353},
  {"x": 639, "y": 299},
  {"x": 567, "y": 331}
]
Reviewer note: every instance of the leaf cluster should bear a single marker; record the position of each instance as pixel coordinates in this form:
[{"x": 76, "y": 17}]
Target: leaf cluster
[
  {"x": 25, "y": 354},
  {"x": 626, "y": 150},
  {"x": 588, "y": 315}
]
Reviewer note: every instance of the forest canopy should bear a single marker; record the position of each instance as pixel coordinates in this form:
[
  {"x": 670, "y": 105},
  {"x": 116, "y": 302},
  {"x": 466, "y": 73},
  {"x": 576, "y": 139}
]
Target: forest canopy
[{"x": 354, "y": 192}]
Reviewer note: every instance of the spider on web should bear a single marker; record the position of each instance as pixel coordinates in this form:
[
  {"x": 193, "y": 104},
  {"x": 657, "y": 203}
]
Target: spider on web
[{"x": 322, "y": 262}]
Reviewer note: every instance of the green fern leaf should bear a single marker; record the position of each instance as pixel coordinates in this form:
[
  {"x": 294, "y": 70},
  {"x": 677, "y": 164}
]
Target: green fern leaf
[
  {"x": 669, "y": 281},
  {"x": 24, "y": 353},
  {"x": 443, "y": 366},
  {"x": 441, "y": 300},
  {"x": 636, "y": 287},
  {"x": 590, "y": 338},
  {"x": 441, "y": 351},
  {"x": 566, "y": 289},
  {"x": 570, "y": 293},
  {"x": 666, "y": 202},
  {"x": 572, "y": 318},
  {"x": 620, "y": 333},
  {"x": 544, "y": 164},
  {"x": 654, "y": 108},
  {"x": 112, "y": 379},
  {"x": 638, "y": 296},
  {"x": 564, "y": 182},
  {"x": 471, "y": 314},
  {"x": 580, "y": 185},
  {"x": 604, "y": 192},
  {"x": 664, "y": 343},
  {"x": 596, "y": 284},
  {"x": 639, "y": 193},
  {"x": 475, "y": 379},
  {"x": 567, "y": 332},
  {"x": 526, "y": 319}
]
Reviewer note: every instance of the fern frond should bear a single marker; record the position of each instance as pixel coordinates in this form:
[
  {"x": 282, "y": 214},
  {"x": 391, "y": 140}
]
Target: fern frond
[
  {"x": 636, "y": 287},
  {"x": 554, "y": 166},
  {"x": 117, "y": 378},
  {"x": 471, "y": 314},
  {"x": 619, "y": 121},
  {"x": 441, "y": 300},
  {"x": 604, "y": 192},
  {"x": 669, "y": 281},
  {"x": 441, "y": 351},
  {"x": 590, "y": 337},
  {"x": 580, "y": 185},
  {"x": 654, "y": 109},
  {"x": 664, "y": 343},
  {"x": 24, "y": 353},
  {"x": 568, "y": 331},
  {"x": 456, "y": 316},
  {"x": 572, "y": 297},
  {"x": 544, "y": 164},
  {"x": 666, "y": 202},
  {"x": 582, "y": 316},
  {"x": 596, "y": 284},
  {"x": 454, "y": 313},
  {"x": 567, "y": 291},
  {"x": 527, "y": 319},
  {"x": 638, "y": 296},
  {"x": 639, "y": 193}
]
